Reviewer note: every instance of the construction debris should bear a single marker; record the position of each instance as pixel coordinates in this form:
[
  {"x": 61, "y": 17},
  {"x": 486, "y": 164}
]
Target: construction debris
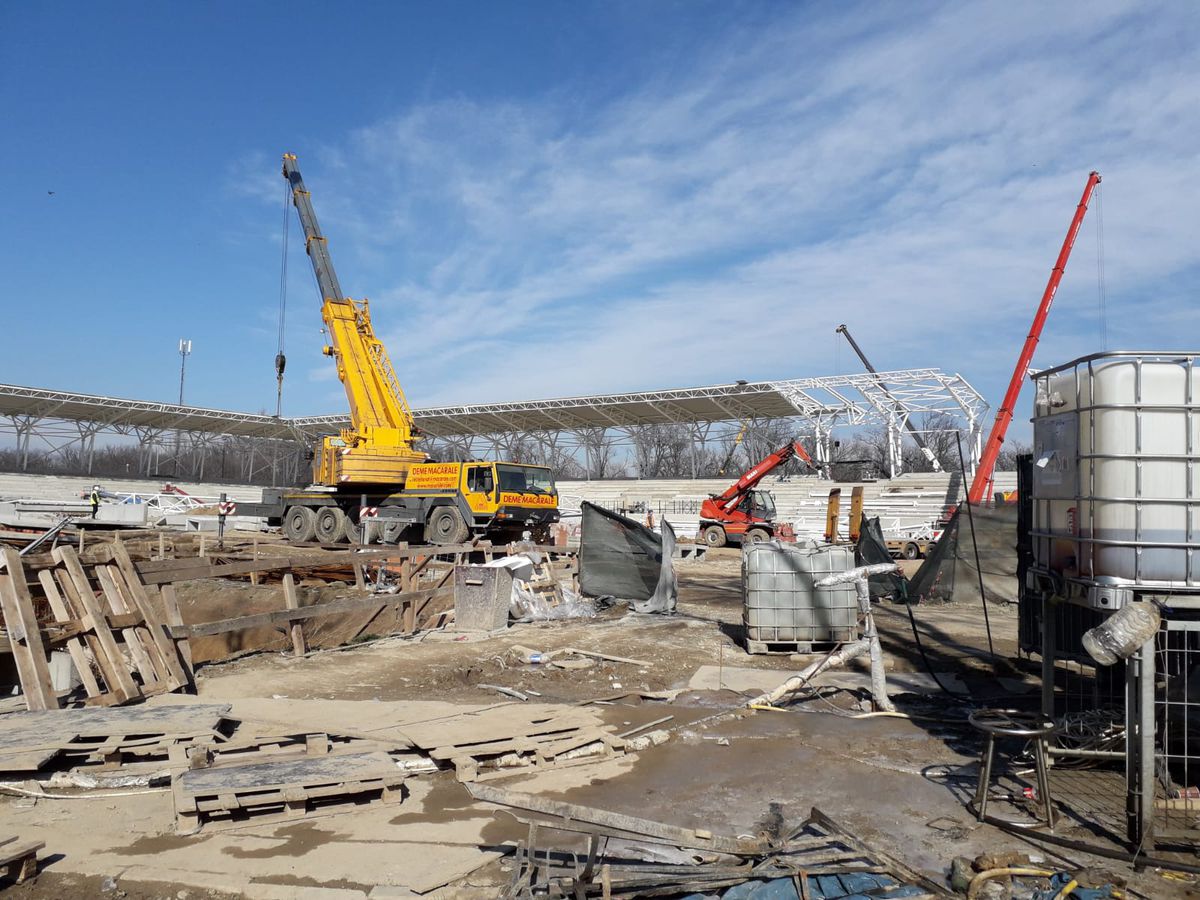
[{"x": 816, "y": 859}]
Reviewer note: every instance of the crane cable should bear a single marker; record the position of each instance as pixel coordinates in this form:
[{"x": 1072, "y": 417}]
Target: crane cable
[
  {"x": 1100, "y": 285},
  {"x": 280, "y": 359}
]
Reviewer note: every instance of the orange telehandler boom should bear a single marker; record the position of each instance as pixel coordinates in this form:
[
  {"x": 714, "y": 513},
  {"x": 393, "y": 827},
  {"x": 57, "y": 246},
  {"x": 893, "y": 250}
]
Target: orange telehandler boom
[{"x": 742, "y": 513}]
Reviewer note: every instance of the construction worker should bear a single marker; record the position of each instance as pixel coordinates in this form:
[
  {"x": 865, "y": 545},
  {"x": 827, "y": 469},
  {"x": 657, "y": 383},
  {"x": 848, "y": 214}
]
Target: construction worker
[{"x": 95, "y": 499}]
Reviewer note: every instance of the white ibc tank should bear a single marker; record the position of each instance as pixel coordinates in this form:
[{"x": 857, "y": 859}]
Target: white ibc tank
[{"x": 1116, "y": 490}]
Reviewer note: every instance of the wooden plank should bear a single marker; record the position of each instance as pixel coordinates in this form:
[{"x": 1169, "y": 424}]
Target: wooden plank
[
  {"x": 75, "y": 646},
  {"x": 133, "y": 640},
  {"x": 287, "y": 616},
  {"x": 193, "y": 571},
  {"x": 77, "y": 591},
  {"x": 33, "y": 668},
  {"x": 299, "y": 647},
  {"x": 175, "y": 617},
  {"x": 154, "y": 625}
]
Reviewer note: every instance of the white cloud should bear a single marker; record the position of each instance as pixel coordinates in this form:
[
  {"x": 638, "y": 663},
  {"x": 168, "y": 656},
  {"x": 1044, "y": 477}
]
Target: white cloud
[{"x": 911, "y": 175}]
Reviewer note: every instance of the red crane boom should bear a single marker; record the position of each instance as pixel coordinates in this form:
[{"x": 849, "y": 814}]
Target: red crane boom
[{"x": 982, "y": 483}]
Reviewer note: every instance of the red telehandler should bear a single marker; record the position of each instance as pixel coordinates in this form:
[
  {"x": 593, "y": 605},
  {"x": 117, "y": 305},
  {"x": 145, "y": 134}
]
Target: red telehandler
[{"x": 742, "y": 513}]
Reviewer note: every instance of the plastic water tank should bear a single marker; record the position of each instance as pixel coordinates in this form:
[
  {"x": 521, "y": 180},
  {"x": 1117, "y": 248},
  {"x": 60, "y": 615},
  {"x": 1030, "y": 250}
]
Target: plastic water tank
[
  {"x": 782, "y": 605},
  {"x": 1116, "y": 489}
]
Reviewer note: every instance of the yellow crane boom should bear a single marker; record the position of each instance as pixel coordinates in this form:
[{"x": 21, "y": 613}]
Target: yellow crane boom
[{"x": 377, "y": 448}]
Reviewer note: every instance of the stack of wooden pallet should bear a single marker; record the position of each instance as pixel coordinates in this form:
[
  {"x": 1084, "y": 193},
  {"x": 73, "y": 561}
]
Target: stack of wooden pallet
[
  {"x": 118, "y": 641},
  {"x": 283, "y": 781}
]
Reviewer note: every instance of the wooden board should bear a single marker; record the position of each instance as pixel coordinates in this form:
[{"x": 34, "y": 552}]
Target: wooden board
[
  {"x": 80, "y": 598},
  {"x": 76, "y": 646},
  {"x": 174, "y": 674},
  {"x": 33, "y": 667}
]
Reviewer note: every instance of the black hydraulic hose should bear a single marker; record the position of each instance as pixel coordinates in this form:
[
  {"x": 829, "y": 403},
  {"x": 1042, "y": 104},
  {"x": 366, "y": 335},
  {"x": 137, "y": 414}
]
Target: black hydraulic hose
[{"x": 921, "y": 649}]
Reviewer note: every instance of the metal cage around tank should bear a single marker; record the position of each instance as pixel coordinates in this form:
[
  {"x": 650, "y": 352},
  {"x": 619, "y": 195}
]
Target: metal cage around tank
[{"x": 1113, "y": 518}]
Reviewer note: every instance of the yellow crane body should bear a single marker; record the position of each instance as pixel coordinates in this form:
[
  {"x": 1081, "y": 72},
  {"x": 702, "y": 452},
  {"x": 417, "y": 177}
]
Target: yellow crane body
[{"x": 372, "y": 470}]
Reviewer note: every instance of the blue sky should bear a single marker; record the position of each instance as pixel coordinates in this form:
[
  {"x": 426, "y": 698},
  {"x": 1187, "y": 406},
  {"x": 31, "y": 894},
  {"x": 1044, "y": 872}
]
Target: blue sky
[{"x": 544, "y": 199}]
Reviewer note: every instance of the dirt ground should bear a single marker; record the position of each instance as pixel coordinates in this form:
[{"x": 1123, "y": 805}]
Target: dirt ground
[{"x": 899, "y": 783}]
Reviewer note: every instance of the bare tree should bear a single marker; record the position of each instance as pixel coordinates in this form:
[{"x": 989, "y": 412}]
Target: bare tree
[{"x": 1007, "y": 460}]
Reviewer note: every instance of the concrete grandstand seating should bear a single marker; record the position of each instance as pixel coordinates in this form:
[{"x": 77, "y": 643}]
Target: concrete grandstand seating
[{"x": 910, "y": 501}]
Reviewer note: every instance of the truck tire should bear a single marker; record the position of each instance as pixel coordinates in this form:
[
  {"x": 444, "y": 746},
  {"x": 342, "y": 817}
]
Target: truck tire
[
  {"x": 331, "y": 522},
  {"x": 446, "y": 526},
  {"x": 757, "y": 536},
  {"x": 911, "y": 551},
  {"x": 714, "y": 536},
  {"x": 299, "y": 524}
]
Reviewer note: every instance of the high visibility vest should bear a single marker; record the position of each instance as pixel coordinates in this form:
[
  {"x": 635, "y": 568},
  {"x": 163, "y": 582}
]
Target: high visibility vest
[{"x": 95, "y": 497}]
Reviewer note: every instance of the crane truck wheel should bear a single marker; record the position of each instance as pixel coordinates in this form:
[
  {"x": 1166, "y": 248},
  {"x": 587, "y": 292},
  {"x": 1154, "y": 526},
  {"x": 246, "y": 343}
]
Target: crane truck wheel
[
  {"x": 330, "y": 524},
  {"x": 911, "y": 551},
  {"x": 714, "y": 536},
  {"x": 757, "y": 536},
  {"x": 446, "y": 526},
  {"x": 350, "y": 532},
  {"x": 299, "y": 524}
]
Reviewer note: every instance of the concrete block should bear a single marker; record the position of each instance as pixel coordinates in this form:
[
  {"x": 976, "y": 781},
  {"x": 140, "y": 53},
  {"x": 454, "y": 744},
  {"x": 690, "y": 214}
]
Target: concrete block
[{"x": 482, "y": 596}]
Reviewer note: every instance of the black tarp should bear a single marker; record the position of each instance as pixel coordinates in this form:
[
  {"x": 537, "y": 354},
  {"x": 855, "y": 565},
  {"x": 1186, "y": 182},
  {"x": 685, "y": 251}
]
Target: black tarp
[{"x": 621, "y": 558}]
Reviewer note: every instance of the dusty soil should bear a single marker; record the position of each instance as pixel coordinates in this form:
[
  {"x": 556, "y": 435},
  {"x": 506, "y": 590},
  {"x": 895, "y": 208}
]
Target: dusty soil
[
  {"x": 898, "y": 783},
  {"x": 706, "y": 631}
]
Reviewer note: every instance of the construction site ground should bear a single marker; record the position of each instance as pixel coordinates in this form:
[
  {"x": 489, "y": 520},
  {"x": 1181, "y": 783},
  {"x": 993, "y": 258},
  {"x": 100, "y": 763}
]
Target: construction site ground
[{"x": 897, "y": 783}]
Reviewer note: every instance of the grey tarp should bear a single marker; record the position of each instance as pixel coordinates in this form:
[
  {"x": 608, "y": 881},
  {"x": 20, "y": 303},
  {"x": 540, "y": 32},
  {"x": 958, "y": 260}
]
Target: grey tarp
[
  {"x": 872, "y": 549},
  {"x": 950, "y": 573},
  {"x": 621, "y": 558}
]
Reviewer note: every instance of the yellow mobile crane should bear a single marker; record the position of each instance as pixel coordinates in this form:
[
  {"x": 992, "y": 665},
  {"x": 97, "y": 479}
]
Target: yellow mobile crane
[{"x": 373, "y": 465}]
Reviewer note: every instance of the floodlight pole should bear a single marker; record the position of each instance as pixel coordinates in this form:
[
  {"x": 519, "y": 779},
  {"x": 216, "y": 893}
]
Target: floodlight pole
[{"x": 185, "y": 349}]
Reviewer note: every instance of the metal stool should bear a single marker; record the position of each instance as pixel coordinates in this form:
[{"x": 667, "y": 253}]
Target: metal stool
[{"x": 1007, "y": 723}]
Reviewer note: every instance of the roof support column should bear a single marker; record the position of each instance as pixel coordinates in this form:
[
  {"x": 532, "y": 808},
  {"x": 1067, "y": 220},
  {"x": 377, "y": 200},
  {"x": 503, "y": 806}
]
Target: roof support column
[
  {"x": 894, "y": 451},
  {"x": 24, "y": 426}
]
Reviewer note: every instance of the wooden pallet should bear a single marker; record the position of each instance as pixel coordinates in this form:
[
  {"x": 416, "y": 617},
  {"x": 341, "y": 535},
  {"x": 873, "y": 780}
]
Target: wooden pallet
[
  {"x": 32, "y": 740},
  {"x": 501, "y": 759},
  {"x": 230, "y": 796},
  {"x": 789, "y": 647},
  {"x": 118, "y": 642},
  {"x": 19, "y": 860}
]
